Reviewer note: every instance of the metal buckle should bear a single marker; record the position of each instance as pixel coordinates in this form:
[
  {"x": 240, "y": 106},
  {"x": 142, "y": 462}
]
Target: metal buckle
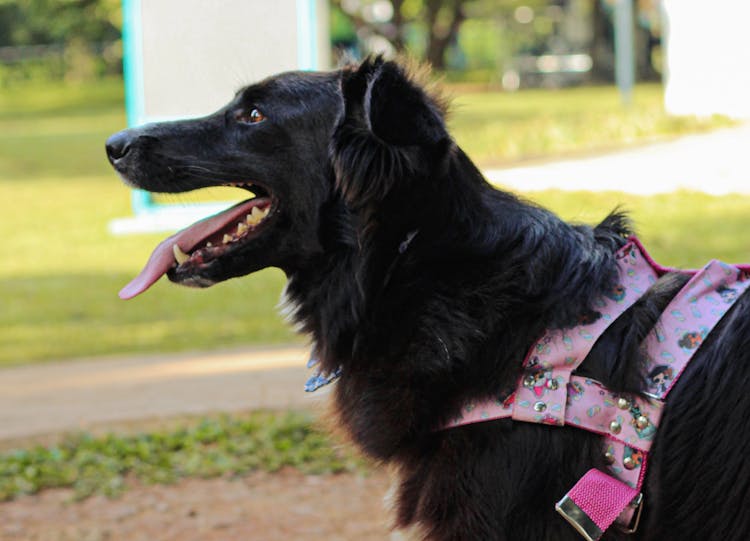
[
  {"x": 578, "y": 519},
  {"x": 637, "y": 504}
]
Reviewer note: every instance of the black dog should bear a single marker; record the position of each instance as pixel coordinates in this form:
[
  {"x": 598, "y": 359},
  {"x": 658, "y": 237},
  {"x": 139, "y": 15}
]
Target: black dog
[{"x": 427, "y": 286}]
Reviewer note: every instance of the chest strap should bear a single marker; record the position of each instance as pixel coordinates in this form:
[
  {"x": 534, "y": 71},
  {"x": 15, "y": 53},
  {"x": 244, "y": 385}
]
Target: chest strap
[
  {"x": 679, "y": 332},
  {"x": 541, "y": 394},
  {"x": 548, "y": 393}
]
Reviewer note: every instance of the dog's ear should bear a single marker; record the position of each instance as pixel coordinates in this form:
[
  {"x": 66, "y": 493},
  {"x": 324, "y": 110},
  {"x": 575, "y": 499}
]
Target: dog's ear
[
  {"x": 394, "y": 107},
  {"x": 389, "y": 128}
]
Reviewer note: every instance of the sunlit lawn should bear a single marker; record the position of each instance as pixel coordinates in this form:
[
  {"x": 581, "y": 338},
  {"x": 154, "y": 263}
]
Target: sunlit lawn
[
  {"x": 61, "y": 269},
  {"x": 496, "y": 128}
]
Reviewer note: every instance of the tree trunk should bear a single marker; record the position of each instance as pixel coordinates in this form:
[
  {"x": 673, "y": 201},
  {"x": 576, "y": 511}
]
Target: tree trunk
[
  {"x": 602, "y": 45},
  {"x": 399, "y": 41},
  {"x": 644, "y": 45},
  {"x": 439, "y": 38}
]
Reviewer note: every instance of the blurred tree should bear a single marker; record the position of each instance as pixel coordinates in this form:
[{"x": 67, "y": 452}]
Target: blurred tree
[
  {"x": 45, "y": 22},
  {"x": 383, "y": 24},
  {"x": 438, "y": 31},
  {"x": 76, "y": 39},
  {"x": 444, "y": 19},
  {"x": 602, "y": 47},
  {"x": 11, "y": 18},
  {"x": 648, "y": 39}
]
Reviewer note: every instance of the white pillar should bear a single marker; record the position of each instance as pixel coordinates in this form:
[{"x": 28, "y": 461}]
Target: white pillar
[{"x": 707, "y": 57}]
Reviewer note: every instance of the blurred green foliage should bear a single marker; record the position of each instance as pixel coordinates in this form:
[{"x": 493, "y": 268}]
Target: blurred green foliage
[
  {"x": 81, "y": 39},
  {"x": 59, "y": 39},
  {"x": 49, "y": 129},
  {"x": 209, "y": 447},
  {"x": 497, "y": 127},
  {"x": 32, "y": 22}
]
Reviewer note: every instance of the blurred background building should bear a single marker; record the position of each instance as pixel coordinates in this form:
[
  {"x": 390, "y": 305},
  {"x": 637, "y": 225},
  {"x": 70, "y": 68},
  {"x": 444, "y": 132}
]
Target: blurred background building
[{"x": 707, "y": 55}]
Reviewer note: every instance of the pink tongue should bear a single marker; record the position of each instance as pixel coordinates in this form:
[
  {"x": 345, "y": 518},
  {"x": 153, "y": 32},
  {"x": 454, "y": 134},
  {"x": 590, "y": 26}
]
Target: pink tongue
[{"x": 162, "y": 258}]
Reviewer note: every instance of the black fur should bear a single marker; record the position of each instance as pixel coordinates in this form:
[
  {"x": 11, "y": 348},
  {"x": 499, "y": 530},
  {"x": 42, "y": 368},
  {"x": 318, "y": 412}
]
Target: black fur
[{"x": 427, "y": 286}]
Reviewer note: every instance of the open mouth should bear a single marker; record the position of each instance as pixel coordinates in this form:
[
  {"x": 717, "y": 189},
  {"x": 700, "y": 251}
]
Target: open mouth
[{"x": 187, "y": 252}]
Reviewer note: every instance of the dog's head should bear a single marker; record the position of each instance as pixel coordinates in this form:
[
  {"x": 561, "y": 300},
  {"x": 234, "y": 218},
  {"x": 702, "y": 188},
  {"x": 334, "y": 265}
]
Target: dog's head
[{"x": 305, "y": 146}]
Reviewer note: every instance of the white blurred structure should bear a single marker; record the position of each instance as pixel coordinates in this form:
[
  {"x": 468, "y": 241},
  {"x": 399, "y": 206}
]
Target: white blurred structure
[
  {"x": 707, "y": 57},
  {"x": 186, "y": 58}
]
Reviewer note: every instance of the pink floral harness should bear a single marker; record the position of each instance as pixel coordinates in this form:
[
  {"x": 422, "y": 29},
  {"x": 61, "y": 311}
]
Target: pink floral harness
[{"x": 549, "y": 393}]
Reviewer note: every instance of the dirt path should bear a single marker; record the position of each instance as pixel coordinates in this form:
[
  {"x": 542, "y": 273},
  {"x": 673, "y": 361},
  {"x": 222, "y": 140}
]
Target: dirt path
[
  {"x": 261, "y": 507},
  {"x": 40, "y": 402},
  {"x": 648, "y": 169},
  {"x": 66, "y": 396}
]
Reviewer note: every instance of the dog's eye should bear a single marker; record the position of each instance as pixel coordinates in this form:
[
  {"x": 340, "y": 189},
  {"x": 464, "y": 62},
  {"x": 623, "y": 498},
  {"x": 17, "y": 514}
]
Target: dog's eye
[{"x": 251, "y": 117}]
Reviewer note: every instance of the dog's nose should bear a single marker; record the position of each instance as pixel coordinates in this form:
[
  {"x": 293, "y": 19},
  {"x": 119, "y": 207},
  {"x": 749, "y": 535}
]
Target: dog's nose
[{"x": 118, "y": 145}]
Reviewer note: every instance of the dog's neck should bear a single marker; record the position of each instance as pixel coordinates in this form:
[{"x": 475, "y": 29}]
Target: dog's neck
[{"x": 356, "y": 298}]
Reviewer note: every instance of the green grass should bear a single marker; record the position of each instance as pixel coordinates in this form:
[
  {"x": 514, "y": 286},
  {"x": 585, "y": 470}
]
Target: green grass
[
  {"x": 61, "y": 270},
  {"x": 683, "y": 229},
  {"x": 210, "y": 447},
  {"x": 58, "y": 132},
  {"x": 501, "y": 127}
]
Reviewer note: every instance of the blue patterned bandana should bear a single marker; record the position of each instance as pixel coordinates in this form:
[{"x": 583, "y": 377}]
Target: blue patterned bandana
[{"x": 319, "y": 379}]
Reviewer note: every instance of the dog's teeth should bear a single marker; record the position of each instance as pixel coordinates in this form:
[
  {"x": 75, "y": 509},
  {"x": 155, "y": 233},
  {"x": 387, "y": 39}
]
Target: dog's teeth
[
  {"x": 241, "y": 228},
  {"x": 258, "y": 214},
  {"x": 254, "y": 217},
  {"x": 179, "y": 255},
  {"x": 227, "y": 239}
]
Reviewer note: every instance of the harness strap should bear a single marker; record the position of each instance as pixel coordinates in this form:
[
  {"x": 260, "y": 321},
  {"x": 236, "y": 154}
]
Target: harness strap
[
  {"x": 541, "y": 396},
  {"x": 630, "y": 421},
  {"x": 688, "y": 319},
  {"x": 548, "y": 393},
  {"x": 590, "y": 406},
  {"x": 680, "y": 331}
]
